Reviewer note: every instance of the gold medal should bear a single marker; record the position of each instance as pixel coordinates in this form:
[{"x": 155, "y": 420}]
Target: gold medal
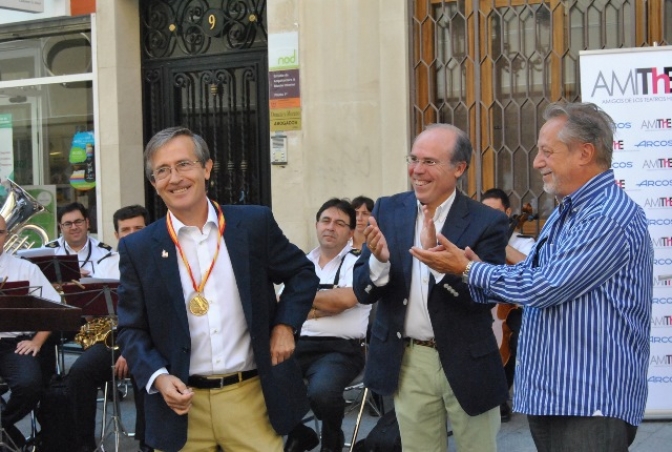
[{"x": 198, "y": 305}]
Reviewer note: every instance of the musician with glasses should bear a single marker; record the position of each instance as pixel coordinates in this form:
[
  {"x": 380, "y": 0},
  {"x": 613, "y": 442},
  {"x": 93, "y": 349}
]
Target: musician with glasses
[
  {"x": 20, "y": 352},
  {"x": 73, "y": 221},
  {"x": 587, "y": 289},
  {"x": 330, "y": 350},
  {"x": 431, "y": 345}
]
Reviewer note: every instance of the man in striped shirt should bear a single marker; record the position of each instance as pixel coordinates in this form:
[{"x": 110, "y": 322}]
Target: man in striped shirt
[{"x": 587, "y": 292}]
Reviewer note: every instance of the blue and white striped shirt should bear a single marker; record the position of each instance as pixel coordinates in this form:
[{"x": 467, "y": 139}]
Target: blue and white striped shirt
[{"x": 587, "y": 291}]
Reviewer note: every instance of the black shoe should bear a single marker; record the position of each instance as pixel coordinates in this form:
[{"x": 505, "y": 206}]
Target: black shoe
[
  {"x": 301, "y": 439},
  {"x": 505, "y": 412},
  {"x": 145, "y": 448}
]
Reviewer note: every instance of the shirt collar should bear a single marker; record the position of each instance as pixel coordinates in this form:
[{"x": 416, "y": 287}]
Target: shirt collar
[
  {"x": 314, "y": 255},
  {"x": 589, "y": 190},
  {"x": 212, "y": 219},
  {"x": 67, "y": 246},
  {"x": 443, "y": 209}
]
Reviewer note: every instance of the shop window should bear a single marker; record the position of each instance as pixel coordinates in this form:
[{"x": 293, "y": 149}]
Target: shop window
[{"x": 46, "y": 116}]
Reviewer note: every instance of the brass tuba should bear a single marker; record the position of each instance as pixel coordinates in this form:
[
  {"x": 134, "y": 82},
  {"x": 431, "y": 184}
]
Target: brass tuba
[{"x": 18, "y": 208}]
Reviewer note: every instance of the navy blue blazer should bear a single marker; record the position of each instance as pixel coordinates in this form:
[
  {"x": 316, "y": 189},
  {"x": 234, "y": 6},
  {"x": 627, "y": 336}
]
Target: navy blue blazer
[
  {"x": 462, "y": 328},
  {"x": 153, "y": 315}
]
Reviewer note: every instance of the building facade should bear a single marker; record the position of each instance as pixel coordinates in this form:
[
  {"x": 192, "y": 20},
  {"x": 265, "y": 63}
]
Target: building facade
[{"x": 368, "y": 76}]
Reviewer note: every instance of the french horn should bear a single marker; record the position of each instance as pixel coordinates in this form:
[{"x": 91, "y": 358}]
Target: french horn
[{"x": 19, "y": 207}]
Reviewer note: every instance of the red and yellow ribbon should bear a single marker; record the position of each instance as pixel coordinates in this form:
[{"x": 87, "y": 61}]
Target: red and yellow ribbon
[{"x": 198, "y": 288}]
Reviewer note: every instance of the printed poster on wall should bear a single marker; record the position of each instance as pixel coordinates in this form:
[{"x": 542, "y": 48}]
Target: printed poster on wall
[
  {"x": 633, "y": 86},
  {"x": 81, "y": 157},
  {"x": 284, "y": 82}
]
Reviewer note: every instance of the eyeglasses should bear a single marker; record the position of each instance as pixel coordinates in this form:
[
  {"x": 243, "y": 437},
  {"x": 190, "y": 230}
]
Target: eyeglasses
[
  {"x": 184, "y": 166},
  {"x": 69, "y": 224},
  {"x": 413, "y": 161},
  {"x": 339, "y": 223}
]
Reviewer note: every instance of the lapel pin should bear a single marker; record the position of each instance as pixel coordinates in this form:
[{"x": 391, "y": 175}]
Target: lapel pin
[{"x": 164, "y": 254}]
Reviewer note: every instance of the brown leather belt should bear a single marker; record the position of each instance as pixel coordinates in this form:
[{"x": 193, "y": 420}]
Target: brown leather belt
[
  {"x": 205, "y": 382},
  {"x": 410, "y": 341}
]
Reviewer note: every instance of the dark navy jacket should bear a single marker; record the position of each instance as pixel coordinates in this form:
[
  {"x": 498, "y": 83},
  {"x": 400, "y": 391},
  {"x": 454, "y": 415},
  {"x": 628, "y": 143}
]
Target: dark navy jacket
[
  {"x": 153, "y": 316},
  {"x": 462, "y": 328}
]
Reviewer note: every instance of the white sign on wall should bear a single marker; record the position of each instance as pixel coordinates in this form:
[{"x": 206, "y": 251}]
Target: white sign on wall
[
  {"x": 634, "y": 87},
  {"x": 50, "y": 9},
  {"x": 29, "y": 6}
]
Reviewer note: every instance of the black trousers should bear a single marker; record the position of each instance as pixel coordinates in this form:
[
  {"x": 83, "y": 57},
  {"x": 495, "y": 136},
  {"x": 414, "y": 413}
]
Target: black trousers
[
  {"x": 89, "y": 372},
  {"x": 23, "y": 376},
  {"x": 581, "y": 434}
]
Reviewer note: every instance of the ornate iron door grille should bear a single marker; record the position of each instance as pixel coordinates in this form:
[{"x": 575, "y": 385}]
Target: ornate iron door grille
[{"x": 216, "y": 83}]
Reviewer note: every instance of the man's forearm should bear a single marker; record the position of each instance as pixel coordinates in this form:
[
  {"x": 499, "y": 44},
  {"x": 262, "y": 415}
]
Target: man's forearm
[{"x": 335, "y": 301}]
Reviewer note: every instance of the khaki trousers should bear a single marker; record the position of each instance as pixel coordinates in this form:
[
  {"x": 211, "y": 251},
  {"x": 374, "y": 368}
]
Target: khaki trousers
[
  {"x": 425, "y": 402},
  {"x": 234, "y": 418}
]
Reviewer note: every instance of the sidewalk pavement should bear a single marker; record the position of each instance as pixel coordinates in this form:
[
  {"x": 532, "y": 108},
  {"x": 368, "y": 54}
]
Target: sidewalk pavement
[{"x": 514, "y": 436}]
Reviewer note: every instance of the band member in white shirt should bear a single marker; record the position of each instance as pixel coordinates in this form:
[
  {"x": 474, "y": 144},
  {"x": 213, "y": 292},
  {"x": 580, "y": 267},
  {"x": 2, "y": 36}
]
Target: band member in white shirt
[
  {"x": 19, "y": 350},
  {"x": 73, "y": 221}
]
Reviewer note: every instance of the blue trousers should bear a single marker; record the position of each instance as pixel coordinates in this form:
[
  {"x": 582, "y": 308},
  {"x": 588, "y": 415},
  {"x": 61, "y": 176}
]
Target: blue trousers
[{"x": 329, "y": 365}]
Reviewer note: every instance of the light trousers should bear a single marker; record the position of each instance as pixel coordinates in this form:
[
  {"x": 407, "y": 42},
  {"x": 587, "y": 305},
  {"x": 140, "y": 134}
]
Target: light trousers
[
  {"x": 234, "y": 418},
  {"x": 425, "y": 402}
]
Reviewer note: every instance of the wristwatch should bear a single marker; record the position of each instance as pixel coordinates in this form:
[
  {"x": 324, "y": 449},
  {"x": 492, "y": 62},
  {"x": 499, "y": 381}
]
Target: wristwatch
[{"x": 465, "y": 273}]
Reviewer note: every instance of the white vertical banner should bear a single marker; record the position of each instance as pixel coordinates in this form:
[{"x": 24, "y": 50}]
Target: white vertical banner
[
  {"x": 634, "y": 87},
  {"x": 6, "y": 147}
]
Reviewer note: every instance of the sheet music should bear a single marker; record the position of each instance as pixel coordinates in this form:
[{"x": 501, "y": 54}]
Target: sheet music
[
  {"x": 85, "y": 281},
  {"x": 36, "y": 252}
]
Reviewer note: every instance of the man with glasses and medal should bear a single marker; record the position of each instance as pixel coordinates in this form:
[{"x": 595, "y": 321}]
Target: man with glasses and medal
[
  {"x": 73, "y": 221},
  {"x": 199, "y": 322}
]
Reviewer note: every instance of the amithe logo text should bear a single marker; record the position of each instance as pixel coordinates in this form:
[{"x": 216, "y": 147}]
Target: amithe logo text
[{"x": 639, "y": 81}]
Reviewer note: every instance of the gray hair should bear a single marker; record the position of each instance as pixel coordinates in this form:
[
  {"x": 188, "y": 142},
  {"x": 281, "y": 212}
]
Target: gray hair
[
  {"x": 586, "y": 123},
  {"x": 462, "y": 150},
  {"x": 164, "y": 136}
]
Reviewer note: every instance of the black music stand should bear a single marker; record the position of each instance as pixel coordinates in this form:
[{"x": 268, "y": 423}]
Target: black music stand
[
  {"x": 19, "y": 288},
  {"x": 100, "y": 299},
  {"x": 58, "y": 269},
  {"x": 29, "y": 313}
]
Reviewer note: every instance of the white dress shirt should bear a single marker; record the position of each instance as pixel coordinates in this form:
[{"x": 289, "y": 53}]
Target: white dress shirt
[
  {"x": 417, "y": 324},
  {"x": 88, "y": 256},
  {"x": 108, "y": 267},
  {"x": 521, "y": 243},
  {"x": 220, "y": 339},
  {"x": 349, "y": 324}
]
